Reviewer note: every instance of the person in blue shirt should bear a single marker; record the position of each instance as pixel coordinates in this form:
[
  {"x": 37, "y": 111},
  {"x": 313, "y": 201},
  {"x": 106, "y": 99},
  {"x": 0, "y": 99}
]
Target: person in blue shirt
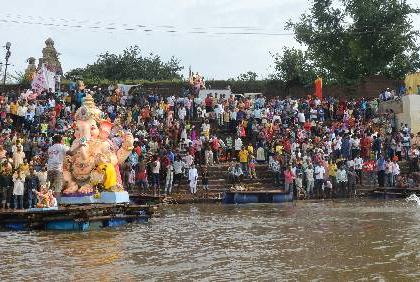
[
  {"x": 171, "y": 156},
  {"x": 380, "y": 167}
]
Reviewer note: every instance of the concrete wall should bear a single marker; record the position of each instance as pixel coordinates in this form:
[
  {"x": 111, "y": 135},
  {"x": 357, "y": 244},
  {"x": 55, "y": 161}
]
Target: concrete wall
[
  {"x": 368, "y": 88},
  {"x": 411, "y": 112},
  {"x": 395, "y": 105}
]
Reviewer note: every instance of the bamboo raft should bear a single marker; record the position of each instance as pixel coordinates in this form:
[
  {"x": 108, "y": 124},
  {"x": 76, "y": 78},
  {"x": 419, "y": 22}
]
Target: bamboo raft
[{"x": 82, "y": 217}]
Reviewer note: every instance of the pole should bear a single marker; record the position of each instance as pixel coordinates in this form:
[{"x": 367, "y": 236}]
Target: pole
[
  {"x": 8, "y": 53},
  {"x": 4, "y": 77}
]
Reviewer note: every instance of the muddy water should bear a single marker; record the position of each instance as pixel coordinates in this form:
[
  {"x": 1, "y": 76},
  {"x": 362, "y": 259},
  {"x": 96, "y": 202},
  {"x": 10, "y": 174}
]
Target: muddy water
[{"x": 334, "y": 241}]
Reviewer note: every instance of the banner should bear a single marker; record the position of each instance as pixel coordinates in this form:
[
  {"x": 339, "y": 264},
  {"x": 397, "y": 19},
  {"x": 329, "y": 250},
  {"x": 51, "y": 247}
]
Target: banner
[
  {"x": 318, "y": 87},
  {"x": 44, "y": 80}
]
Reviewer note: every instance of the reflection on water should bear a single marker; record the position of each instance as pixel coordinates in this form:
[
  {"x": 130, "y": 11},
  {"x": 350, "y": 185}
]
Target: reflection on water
[{"x": 364, "y": 240}]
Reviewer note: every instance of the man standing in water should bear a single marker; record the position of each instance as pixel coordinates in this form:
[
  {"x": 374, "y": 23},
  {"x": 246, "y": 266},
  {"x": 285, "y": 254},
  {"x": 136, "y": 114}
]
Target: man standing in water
[{"x": 56, "y": 155}]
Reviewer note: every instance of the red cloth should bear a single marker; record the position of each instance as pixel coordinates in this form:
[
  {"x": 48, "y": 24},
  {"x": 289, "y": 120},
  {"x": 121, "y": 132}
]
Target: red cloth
[
  {"x": 288, "y": 176},
  {"x": 142, "y": 175},
  {"x": 318, "y": 88},
  {"x": 138, "y": 151},
  {"x": 369, "y": 166}
]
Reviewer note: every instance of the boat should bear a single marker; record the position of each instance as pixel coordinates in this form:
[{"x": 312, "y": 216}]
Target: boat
[{"x": 260, "y": 196}]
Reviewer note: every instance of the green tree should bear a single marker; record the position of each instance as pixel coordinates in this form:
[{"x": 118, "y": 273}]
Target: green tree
[
  {"x": 359, "y": 38},
  {"x": 293, "y": 67},
  {"x": 130, "y": 65},
  {"x": 248, "y": 76}
]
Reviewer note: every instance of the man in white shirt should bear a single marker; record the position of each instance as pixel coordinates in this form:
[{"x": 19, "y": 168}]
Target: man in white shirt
[
  {"x": 301, "y": 117},
  {"x": 178, "y": 170},
  {"x": 319, "y": 178},
  {"x": 238, "y": 146},
  {"x": 219, "y": 113},
  {"x": 56, "y": 155},
  {"x": 309, "y": 175},
  {"x": 192, "y": 177},
  {"x": 18, "y": 157},
  {"x": 341, "y": 178},
  {"x": 395, "y": 170},
  {"x": 350, "y": 164},
  {"x": 169, "y": 179},
  {"x": 156, "y": 175},
  {"x": 182, "y": 112},
  {"x": 355, "y": 146},
  {"x": 18, "y": 189},
  {"x": 51, "y": 103},
  {"x": 358, "y": 166}
]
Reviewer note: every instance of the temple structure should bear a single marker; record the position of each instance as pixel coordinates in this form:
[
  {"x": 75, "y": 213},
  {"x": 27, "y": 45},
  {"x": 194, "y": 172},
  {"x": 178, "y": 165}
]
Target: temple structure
[{"x": 50, "y": 57}]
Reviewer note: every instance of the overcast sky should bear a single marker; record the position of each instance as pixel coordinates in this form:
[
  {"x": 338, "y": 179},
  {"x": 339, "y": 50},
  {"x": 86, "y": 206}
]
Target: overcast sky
[{"x": 201, "y": 33}]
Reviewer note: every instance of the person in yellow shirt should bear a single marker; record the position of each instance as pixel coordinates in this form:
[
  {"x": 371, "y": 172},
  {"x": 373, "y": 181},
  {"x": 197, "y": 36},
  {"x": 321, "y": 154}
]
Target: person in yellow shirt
[
  {"x": 332, "y": 171},
  {"x": 243, "y": 159}
]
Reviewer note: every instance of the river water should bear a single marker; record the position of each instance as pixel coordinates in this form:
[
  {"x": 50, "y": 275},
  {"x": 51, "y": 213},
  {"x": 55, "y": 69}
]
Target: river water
[{"x": 334, "y": 241}]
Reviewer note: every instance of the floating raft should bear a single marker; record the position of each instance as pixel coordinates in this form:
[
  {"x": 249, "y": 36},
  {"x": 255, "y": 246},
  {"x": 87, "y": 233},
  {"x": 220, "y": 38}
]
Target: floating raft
[
  {"x": 386, "y": 192},
  {"x": 261, "y": 196},
  {"x": 80, "y": 218}
]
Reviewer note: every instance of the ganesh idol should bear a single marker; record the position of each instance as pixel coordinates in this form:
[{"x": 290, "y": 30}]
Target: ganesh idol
[{"x": 98, "y": 155}]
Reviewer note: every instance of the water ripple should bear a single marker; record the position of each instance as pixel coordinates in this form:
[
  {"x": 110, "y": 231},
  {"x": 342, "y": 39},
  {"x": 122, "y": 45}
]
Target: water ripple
[{"x": 356, "y": 240}]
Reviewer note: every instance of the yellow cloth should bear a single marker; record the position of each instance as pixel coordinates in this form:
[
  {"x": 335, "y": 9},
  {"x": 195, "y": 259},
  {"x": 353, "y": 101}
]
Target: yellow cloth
[
  {"x": 332, "y": 169},
  {"x": 24, "y": 168},
  {"x": 110, "y": 179},
  {"x": 163, "y": 106},
  {"x": 250, "y": 149},
  {"x": 243, "y": 156},
  {"x": 13, "y": 108},
  {"x": 44, "y": 127}
]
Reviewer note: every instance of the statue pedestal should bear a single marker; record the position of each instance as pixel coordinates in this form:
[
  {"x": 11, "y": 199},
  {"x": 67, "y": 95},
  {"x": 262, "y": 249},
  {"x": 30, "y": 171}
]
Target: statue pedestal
[
  {"x": 114, "y": 197},
  {"x": 106, "y": 198},
  {"x": 43, "y": 209}
]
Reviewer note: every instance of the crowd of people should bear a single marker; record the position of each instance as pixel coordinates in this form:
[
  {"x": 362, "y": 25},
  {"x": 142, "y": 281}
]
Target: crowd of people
[{"x": 316, "y": 147}]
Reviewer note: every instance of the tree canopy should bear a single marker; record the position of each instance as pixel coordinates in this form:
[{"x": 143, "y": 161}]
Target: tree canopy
[
  {"x": 130, "y": 65},
  {"x": 350, "y": 39},
  {"x": 248, "y": 76},
  {"x": 293, "y": 67}
]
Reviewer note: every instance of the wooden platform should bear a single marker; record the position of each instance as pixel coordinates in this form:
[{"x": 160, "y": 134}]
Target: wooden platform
[{"x": 75, "y": 217}]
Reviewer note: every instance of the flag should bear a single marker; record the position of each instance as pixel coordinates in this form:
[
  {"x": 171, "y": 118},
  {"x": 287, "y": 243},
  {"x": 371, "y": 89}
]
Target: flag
[
  {"x": 39, "y": 83},
  {"x": 44, "y": 79},
  {"x": 318, "y": 87}
]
